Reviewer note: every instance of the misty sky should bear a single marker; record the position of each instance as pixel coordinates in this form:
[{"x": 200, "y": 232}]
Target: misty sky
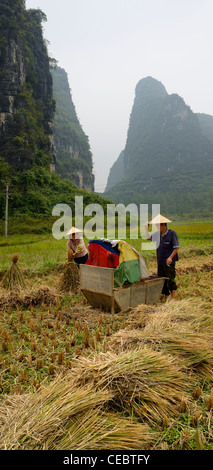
[{"x": 107, "y": 46}]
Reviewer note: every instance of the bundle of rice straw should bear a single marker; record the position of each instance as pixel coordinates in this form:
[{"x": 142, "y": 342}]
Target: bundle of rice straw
[
  {"x": 70, "y": 278},
  {"x": 183, "y": 329},
  {"x": 142, "y": 381},
  {"x": 60, "y": 416},
  {"x": 192, "y": 349},
  {"x": 13, "y": 279}
]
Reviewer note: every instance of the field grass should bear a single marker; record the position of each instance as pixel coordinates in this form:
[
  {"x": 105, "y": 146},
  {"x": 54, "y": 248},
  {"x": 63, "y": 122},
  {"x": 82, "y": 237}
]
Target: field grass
[
  {"x": 85, "y": 368},
  {"x": 42, "y": 251}
]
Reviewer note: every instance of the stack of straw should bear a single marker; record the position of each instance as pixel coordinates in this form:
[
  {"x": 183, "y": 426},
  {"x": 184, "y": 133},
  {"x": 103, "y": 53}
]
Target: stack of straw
[
  {"x": 70, "y": 277},
  {"x": 182, "y": 329},
  {"x": 13, "y": 279},
  {"x": 142, "y": 381},
  {"x": 60, "y": 416}
]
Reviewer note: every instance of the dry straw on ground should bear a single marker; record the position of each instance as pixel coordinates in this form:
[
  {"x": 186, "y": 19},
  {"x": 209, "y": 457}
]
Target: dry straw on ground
[
  {"x": 142, "y": 381},
  {"x": 193, "y": 349},
  {"x": 57, "y": 416},
  {"x": 183, "y": 329},
  {"x": 25, "y": 297}
]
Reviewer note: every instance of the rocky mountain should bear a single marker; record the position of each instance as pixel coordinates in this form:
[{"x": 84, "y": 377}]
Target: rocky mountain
[
  {"x": 41, "y": 140},
  {"x": 38, "y": 120},
  {"x": 116, "y": 173},
  {"x": 26, "y": 102},
  {"x": 72, "y": 149},
  {"x": 206, "y": 124},
  {"x": 168, "y": 156}
]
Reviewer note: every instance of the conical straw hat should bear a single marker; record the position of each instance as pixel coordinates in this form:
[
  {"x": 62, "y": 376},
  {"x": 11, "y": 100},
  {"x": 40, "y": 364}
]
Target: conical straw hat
[
  {"x": 159, "y": 219},
  {"x": 73, "y": 230}
]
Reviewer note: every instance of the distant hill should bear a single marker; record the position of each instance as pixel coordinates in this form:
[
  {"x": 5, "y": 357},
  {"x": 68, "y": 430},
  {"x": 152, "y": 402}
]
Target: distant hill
[
  {"x": 168, "y": 156},
  {"x": 206, "y": 124},
  {"x": 72, "y": 150},
  {"x": 116, "y": 172}
]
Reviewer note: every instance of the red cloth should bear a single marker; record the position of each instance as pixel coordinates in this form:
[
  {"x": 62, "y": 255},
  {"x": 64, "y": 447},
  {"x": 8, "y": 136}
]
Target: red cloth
[{"x": 99, "y": 256}]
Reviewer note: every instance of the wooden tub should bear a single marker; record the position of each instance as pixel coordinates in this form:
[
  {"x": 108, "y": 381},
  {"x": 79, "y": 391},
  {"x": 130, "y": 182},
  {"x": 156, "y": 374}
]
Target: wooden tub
[{"x": 97, "y": 284}]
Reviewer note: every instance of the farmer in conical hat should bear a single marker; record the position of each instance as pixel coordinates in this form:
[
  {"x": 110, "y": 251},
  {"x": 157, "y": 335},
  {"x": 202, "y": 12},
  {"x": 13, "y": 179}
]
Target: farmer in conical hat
[
  {"x": 77, "y": 245},
  {"x": 167, "y": 252}
]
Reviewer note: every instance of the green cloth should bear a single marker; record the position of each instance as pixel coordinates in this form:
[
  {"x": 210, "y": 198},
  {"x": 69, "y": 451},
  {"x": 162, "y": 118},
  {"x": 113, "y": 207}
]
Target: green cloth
[{"x": 128, "y": 271}]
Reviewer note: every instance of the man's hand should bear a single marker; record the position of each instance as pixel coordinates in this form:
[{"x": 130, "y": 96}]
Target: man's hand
[
  {"x": 169, "y": 261},
  {"x": 147, "y": 234}
]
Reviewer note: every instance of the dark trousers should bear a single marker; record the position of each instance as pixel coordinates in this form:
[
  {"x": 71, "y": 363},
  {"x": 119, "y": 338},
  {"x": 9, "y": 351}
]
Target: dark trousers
[
  {"x": 167, "y": 271},
  {"x": 81, "y": 259}
]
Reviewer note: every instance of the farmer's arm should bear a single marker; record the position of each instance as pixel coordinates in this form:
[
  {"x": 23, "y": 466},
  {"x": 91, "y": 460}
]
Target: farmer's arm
[
  {"x": 69, "y": 247},
  {"x": 147, "y": 234},
  {"x": 169, "y": 260},
  {"x": 175, "y": 244}
]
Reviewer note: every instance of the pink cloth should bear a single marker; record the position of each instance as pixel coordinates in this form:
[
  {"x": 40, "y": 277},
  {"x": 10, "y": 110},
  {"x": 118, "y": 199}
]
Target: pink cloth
[{"x": 74, "y": 244}]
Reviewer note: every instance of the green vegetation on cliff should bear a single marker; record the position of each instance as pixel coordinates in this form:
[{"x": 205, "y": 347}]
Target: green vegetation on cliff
[
  {"x": 26, "y": 103},
  {"x": 34, "y": 192},
  {"x": 73, "y": 155}
]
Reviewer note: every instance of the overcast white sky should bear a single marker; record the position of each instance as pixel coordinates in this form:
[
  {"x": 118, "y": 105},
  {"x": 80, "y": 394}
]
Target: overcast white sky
[{"x": 107, "y": 46}]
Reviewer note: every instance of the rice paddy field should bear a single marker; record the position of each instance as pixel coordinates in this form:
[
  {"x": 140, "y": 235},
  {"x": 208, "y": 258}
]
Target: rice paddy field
[{"x": 75, "y": 377}]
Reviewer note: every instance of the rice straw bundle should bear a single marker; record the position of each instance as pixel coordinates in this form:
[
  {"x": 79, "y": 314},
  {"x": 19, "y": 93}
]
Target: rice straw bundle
[
  {"x": 182, "y": 315},
  {"x": 104, "y": 431},
  {"x": 61, "y": 416},
  {"x": 46, "y": 413},
  {"x": 195, "y": 349},
  {"x": 143, "y": 381},
  {"x": 70, "y": 277},
  {"x": 13, "y": 279},
  {"x": 183, "y": 329}
]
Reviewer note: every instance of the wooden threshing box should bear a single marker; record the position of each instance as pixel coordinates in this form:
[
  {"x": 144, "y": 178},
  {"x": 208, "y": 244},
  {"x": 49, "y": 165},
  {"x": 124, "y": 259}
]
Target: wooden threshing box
[{"x": 97, "y": 284}]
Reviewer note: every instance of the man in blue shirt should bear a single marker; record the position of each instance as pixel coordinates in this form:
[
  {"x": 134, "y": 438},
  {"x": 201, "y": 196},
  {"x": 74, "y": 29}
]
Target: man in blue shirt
[{"x": 167, "y": 252}]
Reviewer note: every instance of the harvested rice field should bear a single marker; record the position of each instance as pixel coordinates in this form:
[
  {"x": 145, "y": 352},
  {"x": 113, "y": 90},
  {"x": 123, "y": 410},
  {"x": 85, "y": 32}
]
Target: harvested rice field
[{"x": 76, "y": 377}]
